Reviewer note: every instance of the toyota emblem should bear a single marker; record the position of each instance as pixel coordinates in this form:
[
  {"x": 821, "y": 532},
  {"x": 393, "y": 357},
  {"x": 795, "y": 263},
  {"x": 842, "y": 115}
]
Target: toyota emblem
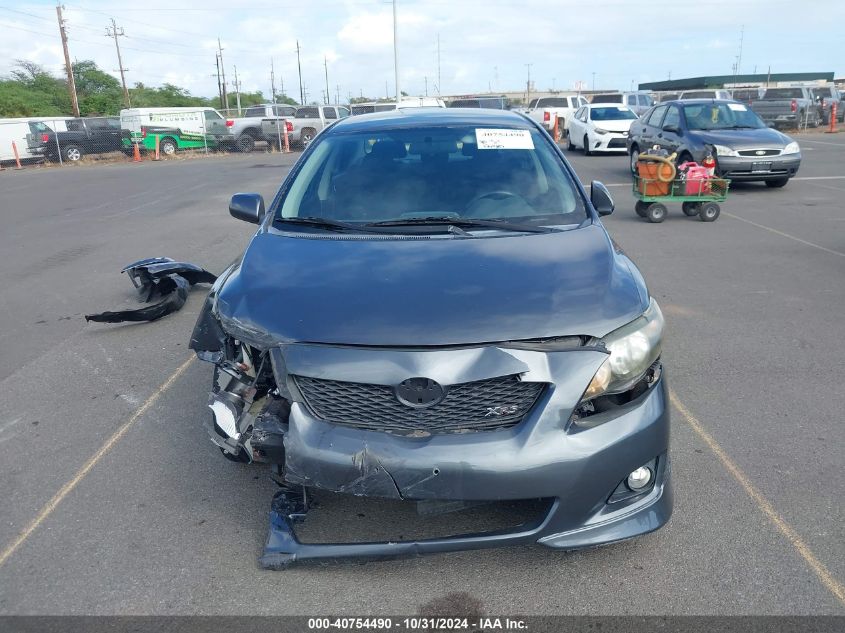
[{"x": 420, "y": 393}]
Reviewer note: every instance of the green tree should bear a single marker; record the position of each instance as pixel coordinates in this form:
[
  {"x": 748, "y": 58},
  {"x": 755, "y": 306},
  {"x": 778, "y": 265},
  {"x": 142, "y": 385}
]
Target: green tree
[{"x": 98, "y": 92}]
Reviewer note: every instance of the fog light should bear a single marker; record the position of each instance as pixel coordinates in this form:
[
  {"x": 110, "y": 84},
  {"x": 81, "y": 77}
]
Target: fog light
[{"x": 639, "y": 479}]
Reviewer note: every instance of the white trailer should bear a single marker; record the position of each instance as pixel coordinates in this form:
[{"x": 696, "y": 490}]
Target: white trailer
[{"x": 16, "y": 130}]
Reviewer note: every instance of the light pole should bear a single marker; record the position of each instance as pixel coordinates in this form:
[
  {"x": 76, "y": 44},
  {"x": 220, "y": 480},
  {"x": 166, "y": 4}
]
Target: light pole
[{"x": 396, "y": 57}]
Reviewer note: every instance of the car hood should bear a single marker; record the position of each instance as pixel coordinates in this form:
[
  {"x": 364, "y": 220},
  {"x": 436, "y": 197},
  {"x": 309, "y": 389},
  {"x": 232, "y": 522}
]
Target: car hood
[
  {"x": 740, "y": 139},
  {"x": 344, "y": 288},
  {"x": 620, "y": 125}
]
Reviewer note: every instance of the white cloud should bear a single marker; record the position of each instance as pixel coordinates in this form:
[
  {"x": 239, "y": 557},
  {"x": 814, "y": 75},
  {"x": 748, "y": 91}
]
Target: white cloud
[{"x": 564, "y": 41}]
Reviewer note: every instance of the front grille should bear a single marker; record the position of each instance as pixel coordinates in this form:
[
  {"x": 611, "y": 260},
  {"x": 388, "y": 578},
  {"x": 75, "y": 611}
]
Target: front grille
[
  {"x": 466, "y": 407},
  {"x": 754, "y": 152},
  {"x": 616, "y": 142}
]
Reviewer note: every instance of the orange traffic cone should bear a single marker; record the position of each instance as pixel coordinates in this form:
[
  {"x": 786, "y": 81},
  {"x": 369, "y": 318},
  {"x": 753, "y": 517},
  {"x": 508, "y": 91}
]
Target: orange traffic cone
[{"x": 136, "y": 158}]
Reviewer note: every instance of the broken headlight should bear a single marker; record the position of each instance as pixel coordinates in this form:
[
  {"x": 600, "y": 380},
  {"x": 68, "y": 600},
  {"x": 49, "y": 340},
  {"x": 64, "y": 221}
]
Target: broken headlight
[{"x": 633, "y": 348}]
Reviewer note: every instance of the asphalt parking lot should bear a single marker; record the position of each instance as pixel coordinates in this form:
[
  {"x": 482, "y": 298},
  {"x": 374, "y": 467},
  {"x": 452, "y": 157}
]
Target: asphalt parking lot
[{"x": 114, "y": 501}]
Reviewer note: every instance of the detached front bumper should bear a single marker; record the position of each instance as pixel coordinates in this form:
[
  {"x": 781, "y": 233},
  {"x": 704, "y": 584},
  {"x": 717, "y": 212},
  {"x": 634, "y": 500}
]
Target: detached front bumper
[
  {"x": 763, "y": 168},
  {"x": 577, "y": 466}
]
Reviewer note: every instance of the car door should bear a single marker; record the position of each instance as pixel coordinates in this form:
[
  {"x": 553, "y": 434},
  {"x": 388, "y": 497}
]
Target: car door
[
  {"x": 214, "y": 123},
  {"x": 651, "y": 127},
  {"x": 576, "y": 128},
  {"x": 670, "y": 135}
]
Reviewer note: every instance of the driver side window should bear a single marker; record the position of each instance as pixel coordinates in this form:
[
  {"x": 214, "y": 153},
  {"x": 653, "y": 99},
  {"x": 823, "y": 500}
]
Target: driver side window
[{"x": 673, "y": 118}]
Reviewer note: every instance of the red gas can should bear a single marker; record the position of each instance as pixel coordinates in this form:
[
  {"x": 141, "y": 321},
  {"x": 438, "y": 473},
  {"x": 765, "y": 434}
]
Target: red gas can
[{"x": 695, "y": 178}]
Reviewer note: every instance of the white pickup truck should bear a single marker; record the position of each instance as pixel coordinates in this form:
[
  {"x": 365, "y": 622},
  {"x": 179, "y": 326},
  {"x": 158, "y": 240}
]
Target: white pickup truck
[
  {"x": 306, "y": 123},
  {"x": 545, "y": 110}
]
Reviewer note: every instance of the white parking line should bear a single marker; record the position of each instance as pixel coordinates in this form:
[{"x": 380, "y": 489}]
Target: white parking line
[
  {"x": 809, "y": 140},
  {"x": 786, "y": 235},
  {"x": 819, "y": 178}
]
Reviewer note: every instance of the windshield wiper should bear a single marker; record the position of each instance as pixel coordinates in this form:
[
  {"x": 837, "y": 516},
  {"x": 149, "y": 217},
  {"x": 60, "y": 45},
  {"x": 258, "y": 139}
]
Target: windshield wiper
[
  {"x": 324, "y": 223},
  {"x": 503, "y": 225}
]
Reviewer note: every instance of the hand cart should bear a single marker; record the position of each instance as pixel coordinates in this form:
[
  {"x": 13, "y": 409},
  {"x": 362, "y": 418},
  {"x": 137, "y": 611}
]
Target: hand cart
[{"x": 697, "y": 197}]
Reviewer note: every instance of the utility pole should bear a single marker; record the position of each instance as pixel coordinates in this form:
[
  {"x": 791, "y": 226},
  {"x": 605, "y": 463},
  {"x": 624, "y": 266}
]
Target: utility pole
[
  {"x": 426, "y": 85},
  {"x": 272, "y": 81},
  {"x": 238, "y": 90},
  {"x": 337, "y": 95},
  {"x": 299, "y": 66},
  {"x": 396, "y": 57},
  {"x": 739, "y": 57},
  {"x": 219, "y": 85},
  {"x": 386, "y": 90},
  {"x": 326, "y": 66},
  {"x": 115, "y": 33},
  {"x": 223, "y": 75},
  {"x": 71, "y": 84},
  {"x": 528, "y": 85}
]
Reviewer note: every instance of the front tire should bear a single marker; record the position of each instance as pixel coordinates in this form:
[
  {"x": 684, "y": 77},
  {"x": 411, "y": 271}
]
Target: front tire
[
  {"x": 691, "y": 208},
  {"x": 587, "y": 151},
  {"x": 641, "y": 207},
  {"x": 72, "y": 153},
  {"x": 635, "y": 157},
  {"x": 709, "y": 212},
  {"x": 777, "y": 183},
  {"x": 167, "y": 146},
  {"x": 569, "y": 144},
  {"x": 307, "y": 137},
  {"x": 246, "y": 143},
  {"x": 656, "y": 212}
]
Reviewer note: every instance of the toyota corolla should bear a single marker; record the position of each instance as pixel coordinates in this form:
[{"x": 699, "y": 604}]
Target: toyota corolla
[{"x": 432, "y": 312}]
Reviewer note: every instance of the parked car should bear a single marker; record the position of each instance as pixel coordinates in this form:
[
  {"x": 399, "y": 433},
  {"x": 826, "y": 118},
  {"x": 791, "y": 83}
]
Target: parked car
[
  {"x": 407, "y": 102},
  {"x": 175, "y": 128},
  {"x": 268, "y": 110},
  {"x": 638, "y": 102},
  {"x": 306, "y": 123},
  {"x": 597, "y": 127},
  {"x": 825, "y": 97},
  {"x": 17, "y": 131},
  {"x": 746, "y": 95},
  {"x": 494, "y": 103},
  {"x": 431, "y": 310},
  {"x": 247, "y": 130},
  {"x": 744, "y": 147},
  {"x": 94, "y": 135},
  {"x": 545, "y": 110},
  {"x": 705, "y": 94},
  {"x": 668, "y": 96},
  {"x": 788, "y": 107}
]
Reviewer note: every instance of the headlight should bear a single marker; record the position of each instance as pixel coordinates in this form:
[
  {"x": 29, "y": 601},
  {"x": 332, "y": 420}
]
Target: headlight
[
  {"x": 721, "y": 150},
  {"x": 792, "y": 148},
  {"x": 633, "y": 349},
  {"x": 599, "y": 130}
]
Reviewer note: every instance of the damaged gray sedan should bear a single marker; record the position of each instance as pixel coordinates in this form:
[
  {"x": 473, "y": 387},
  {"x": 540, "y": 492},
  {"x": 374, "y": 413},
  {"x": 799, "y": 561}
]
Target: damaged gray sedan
[{"x": 432, "y": 312}]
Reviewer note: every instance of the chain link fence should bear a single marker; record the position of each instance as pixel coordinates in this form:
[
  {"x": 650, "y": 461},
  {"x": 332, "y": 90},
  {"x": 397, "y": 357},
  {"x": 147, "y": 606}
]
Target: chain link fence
[{"x": 136, "y": 133}]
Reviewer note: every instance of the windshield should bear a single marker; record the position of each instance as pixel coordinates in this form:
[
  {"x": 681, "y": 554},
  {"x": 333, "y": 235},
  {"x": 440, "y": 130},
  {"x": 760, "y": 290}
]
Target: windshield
[
  {"x": 442, "y": 172},
  {"x": 617, "y": 113},
  {"x": 720, "y": 116},
  {"x": 553, "y": 102}
]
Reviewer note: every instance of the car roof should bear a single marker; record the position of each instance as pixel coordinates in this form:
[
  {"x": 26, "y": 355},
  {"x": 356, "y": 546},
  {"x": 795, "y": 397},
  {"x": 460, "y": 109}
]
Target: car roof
[
  {"x": 421, "y": 117},
  {"x": 696, "y": 101},
  {"x": 605, "y": 105}
]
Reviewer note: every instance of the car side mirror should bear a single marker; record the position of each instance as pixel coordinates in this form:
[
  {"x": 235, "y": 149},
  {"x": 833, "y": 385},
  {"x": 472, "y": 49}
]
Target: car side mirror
[
  {"x": 671, "y": 127},
  {"x": 248, "y": 207},
  {"x": 600, "y": 197}
]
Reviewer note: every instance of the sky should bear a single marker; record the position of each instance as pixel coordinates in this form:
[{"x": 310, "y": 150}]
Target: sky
[{"x": 485, "y": 45}]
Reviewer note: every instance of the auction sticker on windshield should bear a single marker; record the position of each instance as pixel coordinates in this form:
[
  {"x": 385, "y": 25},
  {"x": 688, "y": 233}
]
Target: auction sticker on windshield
[
  {"x": 737, "y": 107},
  {"x": 488, "y": 138}
]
